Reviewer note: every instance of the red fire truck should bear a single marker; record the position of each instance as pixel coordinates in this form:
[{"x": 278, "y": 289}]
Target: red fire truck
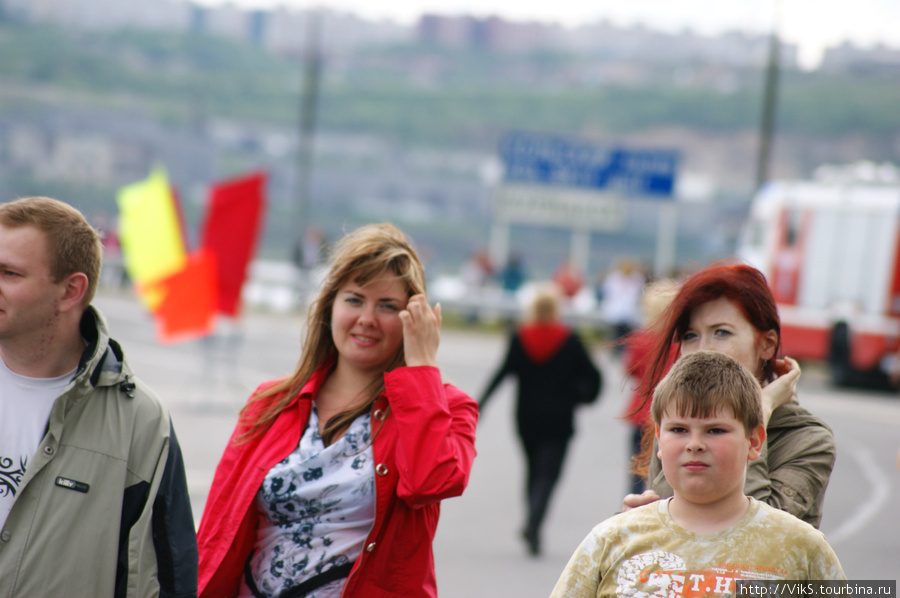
[{"x": 831, "y": 254}]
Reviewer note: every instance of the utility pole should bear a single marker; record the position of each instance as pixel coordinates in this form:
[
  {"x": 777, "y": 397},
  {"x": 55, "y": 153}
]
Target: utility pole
[
  {"x": 769, "y": 107},
  {"x": 312, "y": 62}
]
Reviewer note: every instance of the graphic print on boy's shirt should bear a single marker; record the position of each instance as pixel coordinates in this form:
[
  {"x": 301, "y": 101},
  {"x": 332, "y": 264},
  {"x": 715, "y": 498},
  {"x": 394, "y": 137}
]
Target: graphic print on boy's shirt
[
  {"x": 642, "y": 553},
  {"x": 662, "y": 573}
]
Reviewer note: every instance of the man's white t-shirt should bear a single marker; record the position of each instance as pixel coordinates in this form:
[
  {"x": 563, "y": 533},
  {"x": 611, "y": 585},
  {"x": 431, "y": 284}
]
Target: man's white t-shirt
[{"x": 25, "y": 405}]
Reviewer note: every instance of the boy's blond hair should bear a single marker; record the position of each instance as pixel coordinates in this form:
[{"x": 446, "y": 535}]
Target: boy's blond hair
[{"x": 701, "y": 383}]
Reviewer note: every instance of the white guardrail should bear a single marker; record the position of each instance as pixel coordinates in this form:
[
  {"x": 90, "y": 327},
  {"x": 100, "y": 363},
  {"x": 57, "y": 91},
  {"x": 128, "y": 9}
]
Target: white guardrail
[{"x": 282, "y": 287}]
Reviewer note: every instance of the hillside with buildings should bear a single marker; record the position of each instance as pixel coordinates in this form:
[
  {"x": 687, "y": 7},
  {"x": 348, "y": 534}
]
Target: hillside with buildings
[{"x": 93, "y": 93}]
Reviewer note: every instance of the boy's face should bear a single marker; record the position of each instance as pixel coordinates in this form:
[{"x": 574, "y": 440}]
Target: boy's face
[{"x": 704, "y": 459}]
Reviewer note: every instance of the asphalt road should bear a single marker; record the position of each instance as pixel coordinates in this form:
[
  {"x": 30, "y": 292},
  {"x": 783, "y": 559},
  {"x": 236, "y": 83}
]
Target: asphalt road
[{"x": 478, "y": 550}]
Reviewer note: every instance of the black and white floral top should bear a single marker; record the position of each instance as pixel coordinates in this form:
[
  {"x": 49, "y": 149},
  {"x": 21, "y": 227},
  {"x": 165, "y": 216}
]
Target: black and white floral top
[{"x": 319, "y": 506}]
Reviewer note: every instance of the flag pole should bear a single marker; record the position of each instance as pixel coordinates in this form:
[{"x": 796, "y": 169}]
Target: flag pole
[{"x": 307, "y": 124}]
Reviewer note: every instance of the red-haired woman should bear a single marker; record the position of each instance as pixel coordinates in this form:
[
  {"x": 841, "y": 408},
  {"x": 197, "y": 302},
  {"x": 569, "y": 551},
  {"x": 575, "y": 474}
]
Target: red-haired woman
[{"x": 730, "y": 308}]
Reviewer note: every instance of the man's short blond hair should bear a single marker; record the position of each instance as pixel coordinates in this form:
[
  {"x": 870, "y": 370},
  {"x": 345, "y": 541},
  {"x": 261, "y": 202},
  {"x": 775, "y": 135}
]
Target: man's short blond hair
[
  {"x": 701, "y": 383},
  {"x": 73, "y": 245}
]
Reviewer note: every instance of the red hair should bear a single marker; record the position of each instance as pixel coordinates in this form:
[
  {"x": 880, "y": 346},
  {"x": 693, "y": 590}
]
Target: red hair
[{"x": 742, "y": 285}]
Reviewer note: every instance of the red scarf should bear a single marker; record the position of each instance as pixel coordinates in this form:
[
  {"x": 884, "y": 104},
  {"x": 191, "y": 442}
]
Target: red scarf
[{"x": 542, "y": 341}]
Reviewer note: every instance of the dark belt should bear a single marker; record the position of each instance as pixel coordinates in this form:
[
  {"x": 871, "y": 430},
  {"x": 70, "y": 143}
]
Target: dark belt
[{"x": 313, "y": 583}]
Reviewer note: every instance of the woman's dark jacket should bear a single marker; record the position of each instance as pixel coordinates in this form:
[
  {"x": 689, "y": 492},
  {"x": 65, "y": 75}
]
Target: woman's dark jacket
[{"x": 555, "y": 374}]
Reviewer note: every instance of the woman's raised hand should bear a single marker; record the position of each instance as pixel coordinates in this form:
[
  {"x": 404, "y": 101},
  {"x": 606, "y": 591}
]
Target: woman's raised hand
[
  {"x": 782, "y": 389},
  {"x": 421, "y": 331}
]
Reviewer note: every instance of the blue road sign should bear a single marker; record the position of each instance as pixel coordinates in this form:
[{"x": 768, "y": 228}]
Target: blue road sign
[{"x": 553, "y": 160}]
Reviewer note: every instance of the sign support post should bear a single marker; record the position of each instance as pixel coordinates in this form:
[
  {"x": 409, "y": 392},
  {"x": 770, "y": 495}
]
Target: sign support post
[{"x": 666, "y": 239}]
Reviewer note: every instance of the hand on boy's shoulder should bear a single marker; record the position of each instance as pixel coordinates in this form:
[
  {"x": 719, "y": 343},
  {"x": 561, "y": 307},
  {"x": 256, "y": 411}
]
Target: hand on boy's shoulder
[{"x": 632, "y": 501}]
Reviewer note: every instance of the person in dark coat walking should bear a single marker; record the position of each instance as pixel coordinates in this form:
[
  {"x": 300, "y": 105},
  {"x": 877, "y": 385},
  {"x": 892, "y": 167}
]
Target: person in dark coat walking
[{"x": 555, "y": 374}]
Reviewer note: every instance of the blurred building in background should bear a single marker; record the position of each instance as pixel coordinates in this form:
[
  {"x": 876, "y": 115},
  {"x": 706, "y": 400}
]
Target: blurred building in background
[
  {"x": 58, "y": 141},
  {"x": 280, "y": 30}
]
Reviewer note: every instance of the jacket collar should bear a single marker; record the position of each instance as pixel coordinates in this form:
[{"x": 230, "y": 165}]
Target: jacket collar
[{"x": 103, "y": 361}]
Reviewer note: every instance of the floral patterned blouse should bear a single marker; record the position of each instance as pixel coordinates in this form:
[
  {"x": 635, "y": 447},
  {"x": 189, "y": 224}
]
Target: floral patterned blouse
[{"x": 318, "y": 506}]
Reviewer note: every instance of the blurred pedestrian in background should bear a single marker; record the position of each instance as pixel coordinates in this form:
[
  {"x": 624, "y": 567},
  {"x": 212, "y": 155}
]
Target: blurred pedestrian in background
[
  {"x": 555, "y": 374},
  {"x": 639, "y": 346},
  {"x": 332, "y": 479},
  {"x": 512, "y": 276},
  {"x": 310, "y": 251},
  {"x": 730, "y": 308},
  {"x": 568, "y": 278},
  {"x": 621, "y": 299},
  {"x": 475, "y": 273}
]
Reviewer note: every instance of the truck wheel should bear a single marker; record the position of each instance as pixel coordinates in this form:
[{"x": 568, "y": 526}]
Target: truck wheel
[
  {"x": 839, "y": 366},
  {"x": 841, "y": 369}
]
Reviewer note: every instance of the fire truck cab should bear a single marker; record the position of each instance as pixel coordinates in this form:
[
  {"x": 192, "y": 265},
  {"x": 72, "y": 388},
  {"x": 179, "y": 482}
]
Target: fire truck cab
[{"x": 831, "y": 254}]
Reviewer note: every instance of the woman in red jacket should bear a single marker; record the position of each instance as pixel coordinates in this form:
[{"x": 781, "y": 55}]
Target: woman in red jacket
[{"x": 331, "y": 483}]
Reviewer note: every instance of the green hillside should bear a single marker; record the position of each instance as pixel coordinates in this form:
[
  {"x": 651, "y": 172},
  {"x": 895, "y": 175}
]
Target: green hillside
[{"x": 177, "y": 77}]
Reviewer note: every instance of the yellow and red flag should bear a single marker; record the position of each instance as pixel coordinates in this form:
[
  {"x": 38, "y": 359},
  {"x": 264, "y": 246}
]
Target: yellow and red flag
[
  {"x": 151, "y": 235},
  {"x": 185, "y": 290},
  {"x": 188, "y": 309}
]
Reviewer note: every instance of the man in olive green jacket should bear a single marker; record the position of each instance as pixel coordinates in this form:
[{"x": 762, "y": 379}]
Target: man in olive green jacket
[{"x": 93, "y": 497}]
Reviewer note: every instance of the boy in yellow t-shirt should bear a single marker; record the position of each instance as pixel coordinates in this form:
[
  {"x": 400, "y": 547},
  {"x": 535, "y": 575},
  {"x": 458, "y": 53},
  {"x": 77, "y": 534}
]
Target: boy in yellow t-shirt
[{"x": 698, "y": 543}]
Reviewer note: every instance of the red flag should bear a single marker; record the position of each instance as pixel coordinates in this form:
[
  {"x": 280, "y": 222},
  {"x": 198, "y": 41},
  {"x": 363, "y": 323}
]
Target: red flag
[
  {"x": 188, "y": 307},
  {"x": 230, "y": 233}
]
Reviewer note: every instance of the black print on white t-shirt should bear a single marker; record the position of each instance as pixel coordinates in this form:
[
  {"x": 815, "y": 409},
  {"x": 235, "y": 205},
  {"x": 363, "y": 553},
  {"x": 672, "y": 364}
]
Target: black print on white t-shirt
[{"x": 11, "y": 478}]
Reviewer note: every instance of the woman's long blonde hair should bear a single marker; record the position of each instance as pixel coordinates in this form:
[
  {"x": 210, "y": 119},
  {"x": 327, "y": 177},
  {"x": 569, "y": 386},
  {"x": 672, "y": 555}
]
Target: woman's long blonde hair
[{"x": 360, "y": 256}]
